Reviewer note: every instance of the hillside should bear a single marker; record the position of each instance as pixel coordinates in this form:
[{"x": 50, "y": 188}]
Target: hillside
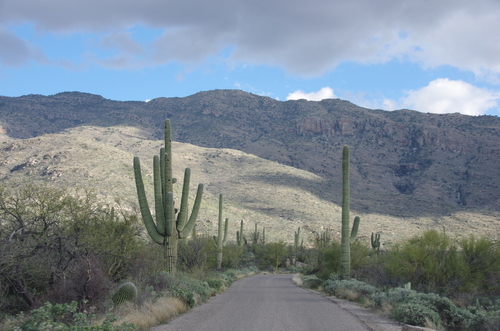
[
  {"x": 277, "y": 196},
  {"x": 404, "y": 163}
]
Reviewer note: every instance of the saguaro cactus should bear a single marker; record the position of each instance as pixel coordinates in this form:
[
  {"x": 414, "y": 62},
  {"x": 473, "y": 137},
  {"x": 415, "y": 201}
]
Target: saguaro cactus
[
  {"x": 221, "y": 239},
  {"x": 255, "y": 235},
  {"x": 296, "y": 240},
  {"x": 345, "y": 244},
  {"x": 239, "y": 235},
  {"x": 167, "y": 229},
  {"x": 375, "y": 241}
]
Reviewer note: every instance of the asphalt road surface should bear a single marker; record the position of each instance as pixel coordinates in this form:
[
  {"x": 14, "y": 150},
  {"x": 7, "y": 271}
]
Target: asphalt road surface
[{"x": 265, "y": 303}]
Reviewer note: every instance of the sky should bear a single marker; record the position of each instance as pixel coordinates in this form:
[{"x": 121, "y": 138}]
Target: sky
[{"x": 434, "y": 56}]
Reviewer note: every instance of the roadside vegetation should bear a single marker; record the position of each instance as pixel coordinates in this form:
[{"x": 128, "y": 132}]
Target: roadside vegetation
[
  {"x": 429, "y": 280},
  {"x": 64, "y": 258}
]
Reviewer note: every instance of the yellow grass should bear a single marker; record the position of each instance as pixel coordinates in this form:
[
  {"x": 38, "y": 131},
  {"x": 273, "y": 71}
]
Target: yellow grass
[{"x": 152, "y": 313}]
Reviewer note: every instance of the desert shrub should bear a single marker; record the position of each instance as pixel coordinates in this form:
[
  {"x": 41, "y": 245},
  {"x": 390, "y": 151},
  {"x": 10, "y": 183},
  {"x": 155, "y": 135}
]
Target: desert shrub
[
  {"x": 193, "y": 253},
  {"x": 54, "y": 245},
  {"x": 311, "y": 281},
  {"x": 392, "y": 297},
  {"x": 161, "y": 281},
  {"x": 232, "y": 255},
  {"x": 330, "y": 256},
  {"x": 352, "y": 289},
  {"x": 271, "y": 255},
  {"x": 229, "y": 276},
  {"x": 201, "y": 289},
  {"x": 64, "y": 317},
  {"x": 485, "y": 320},
  {"x": 431, "y": 262},
  {"x": 184, "y": 294},
  {"x": 215, "y": 283},
  {"x": 450, "y": 315},
  {"x": 481, "y": 258},
  {"x": 415, "y": 314}
]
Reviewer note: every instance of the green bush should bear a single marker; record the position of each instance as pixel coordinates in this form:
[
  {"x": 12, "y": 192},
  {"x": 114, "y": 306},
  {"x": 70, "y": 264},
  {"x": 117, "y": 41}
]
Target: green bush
[
  {"x": 340, "y": 288},
  {"x": 329, "y": 256},
  {"x": 201, "y": 288},
  {"x": 450, "y": 315},
  {"x": 311, "y": 281},
  {"x": 215, "y": 283},
  {"x": 433, "y": 262},
  {"x": 61, "y": 247},
  {"x": 485, "y": 320},
  {"x": 415, "y": 314},
  {"x": 184, "y": 294},
  {"x": 393, "y": 296},
  {"x": 229, "y": 276},
  {"x": 65, "y": 317}
]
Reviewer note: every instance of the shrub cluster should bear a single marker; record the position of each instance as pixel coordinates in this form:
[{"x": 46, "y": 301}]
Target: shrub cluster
[{"x": 64, "y": 317}]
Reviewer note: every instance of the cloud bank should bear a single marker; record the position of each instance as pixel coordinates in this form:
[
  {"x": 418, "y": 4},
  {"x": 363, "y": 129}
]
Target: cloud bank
[
  {"x": 304, "y": 38},
  {"x": 442, "y": 96}
]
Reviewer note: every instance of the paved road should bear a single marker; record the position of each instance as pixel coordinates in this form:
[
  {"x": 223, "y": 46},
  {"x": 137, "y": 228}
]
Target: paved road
[{"x": 265, "y": 303}]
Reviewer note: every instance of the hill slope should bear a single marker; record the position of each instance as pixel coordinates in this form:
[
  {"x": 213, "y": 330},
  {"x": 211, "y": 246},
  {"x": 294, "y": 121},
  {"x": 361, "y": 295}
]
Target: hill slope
[
  {"x": 277, "y": 196},
  {"x": 404, "y": 163}
]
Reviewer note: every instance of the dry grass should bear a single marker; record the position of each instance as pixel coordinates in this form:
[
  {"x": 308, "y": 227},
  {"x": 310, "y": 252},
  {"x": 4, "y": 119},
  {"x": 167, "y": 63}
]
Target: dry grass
[
  {"x": 151, "y": 313},
  {"x": 297, "y": 279}
]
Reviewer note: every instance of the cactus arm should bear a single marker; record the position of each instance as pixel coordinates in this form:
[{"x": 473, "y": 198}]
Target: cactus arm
[
  {"x": 183, "y": 211},
  {"x": 226, "y": 225},
  {"x": 194, "y": 213},
  {"x": 169, "y": 180},
  {"x": 159, "y": 207},
  {"x": 354, "y": 231},
  {"x": 345, "y": 251},
  {"x": 143, "y": 204}
]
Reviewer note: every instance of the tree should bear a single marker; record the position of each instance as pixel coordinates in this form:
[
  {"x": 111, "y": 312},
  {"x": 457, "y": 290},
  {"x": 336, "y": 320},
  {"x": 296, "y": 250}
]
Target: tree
[{"x": 60, "y": 247}]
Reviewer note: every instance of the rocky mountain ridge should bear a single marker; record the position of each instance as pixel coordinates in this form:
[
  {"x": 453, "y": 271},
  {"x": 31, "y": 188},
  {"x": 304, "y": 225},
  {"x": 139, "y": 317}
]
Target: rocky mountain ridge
[{"x": 404, "y": 163}]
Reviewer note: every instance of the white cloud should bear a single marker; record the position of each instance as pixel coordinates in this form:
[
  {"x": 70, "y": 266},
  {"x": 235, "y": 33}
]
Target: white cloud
[
  {"x": 324, "y": 93},
  {"x": 443, "y": 96}
]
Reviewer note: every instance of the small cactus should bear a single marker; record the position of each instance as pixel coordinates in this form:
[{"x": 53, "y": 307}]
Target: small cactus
[
  {"x": 126, "y": 292},
  {"x": 296, "y": 244},
  {"x": 239, "y": 235},
  {"x": 255, "y": 235},
  {"x": 375, "y": 241}
]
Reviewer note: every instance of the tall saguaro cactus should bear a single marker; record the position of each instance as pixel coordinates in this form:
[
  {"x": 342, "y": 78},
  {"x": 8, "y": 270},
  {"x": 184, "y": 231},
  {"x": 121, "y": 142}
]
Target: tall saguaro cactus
[
  {"x": 221, "y": 239},
  {"x": 346, "y": 240},
  {"x": 296, "y": 241},
  {"x": 239, "y": 235},
  {"x": 167, "y": 229}
]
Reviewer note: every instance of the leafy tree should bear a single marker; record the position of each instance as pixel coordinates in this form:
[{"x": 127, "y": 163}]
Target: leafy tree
[
  {"x": 60, "y": 247},
  {"x": 431, "y": 262}
]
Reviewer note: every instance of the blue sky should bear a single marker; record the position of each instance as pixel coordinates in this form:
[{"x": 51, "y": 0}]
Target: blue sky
[{"x": 431, "y": 56}]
